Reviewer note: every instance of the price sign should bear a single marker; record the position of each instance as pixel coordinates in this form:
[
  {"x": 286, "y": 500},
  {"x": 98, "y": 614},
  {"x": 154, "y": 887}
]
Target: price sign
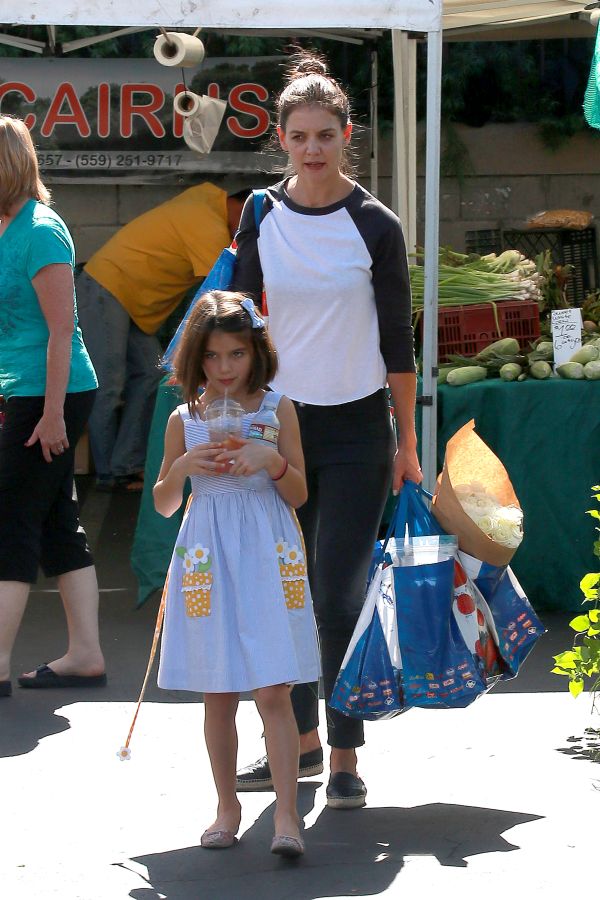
[{"x": 566, "y": 334}]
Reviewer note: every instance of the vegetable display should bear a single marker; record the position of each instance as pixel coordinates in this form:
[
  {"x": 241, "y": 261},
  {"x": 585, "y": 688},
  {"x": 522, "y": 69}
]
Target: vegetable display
[
  {"x": 507, "y": 360},
  {"x": 466, "y": 280}
]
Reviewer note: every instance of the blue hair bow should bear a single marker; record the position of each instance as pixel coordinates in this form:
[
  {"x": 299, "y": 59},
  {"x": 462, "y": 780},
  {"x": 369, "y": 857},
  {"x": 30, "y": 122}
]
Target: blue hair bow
[{"x": 248, "y": 305}]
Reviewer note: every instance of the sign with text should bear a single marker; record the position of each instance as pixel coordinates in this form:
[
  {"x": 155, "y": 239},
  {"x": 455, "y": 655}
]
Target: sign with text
[
  {"x": 115, "y": 116},
  {"x": 566, "y": 333}
]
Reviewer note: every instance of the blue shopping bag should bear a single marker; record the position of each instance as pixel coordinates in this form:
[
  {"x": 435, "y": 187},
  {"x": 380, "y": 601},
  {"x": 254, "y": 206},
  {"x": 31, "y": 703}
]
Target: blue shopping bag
[
  {"x": 438, "y": 670},
  {"x": 516, "y": 621},
  {"x": 407, "y": 649},
  {"x": 411, "y": 513},
  {"x": 219, "y": 278},
  {"x": 368, "y": 685}
]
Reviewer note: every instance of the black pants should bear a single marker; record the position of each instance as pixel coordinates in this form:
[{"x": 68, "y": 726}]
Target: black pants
[
  {"x": 348, "y": 452},
  {"x": 39, "y": 515}
]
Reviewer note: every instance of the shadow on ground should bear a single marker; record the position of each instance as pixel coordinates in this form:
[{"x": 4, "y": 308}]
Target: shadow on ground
[
  {"x": 126, "y": 633},
  {"x": 584, "y": 746},
  {"x": 348, "y": 853},
  {"x": 29, "y": 715}
]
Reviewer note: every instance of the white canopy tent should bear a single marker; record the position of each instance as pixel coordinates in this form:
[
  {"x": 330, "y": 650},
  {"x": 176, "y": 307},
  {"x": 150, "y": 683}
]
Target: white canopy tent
[
  {"x": 346, "y": 19},
  {"x": 408, "y": 15}
]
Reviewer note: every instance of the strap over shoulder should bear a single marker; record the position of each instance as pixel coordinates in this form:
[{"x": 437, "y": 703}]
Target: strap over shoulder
[
  {"x": 258, "y": 197},
  {"x": 183, "y": 411},
  {"x": 271, "y": 400}
]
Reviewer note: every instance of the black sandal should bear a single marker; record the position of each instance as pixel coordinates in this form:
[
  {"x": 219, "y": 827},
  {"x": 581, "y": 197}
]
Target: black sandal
[{"x": 45, "y": 677}]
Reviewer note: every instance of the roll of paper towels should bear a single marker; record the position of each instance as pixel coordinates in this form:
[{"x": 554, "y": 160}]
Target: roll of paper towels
[
  {"x": 186, "y": 103},
  {"x": 176, "y": 48}
]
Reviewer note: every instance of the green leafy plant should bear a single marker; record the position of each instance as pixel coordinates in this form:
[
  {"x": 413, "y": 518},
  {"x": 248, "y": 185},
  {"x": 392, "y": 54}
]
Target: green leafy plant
[{"x": 583, "y": 659}]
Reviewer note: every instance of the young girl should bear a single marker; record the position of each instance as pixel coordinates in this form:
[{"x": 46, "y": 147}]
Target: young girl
[{"x": 238, "y": 613}]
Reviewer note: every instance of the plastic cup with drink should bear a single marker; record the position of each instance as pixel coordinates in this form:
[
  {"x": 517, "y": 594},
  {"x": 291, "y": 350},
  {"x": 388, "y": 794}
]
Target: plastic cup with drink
[{"x": 225, "y": 418}]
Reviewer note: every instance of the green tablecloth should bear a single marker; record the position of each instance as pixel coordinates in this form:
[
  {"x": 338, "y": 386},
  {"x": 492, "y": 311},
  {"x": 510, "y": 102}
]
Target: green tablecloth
[
  {"x": 154, "y": 537},
  {"x": 547, "y": 434}
]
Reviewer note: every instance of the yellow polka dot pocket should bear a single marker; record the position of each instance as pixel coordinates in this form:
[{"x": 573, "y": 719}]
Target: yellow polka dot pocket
[
  {"x": 196, "y": 580},
  {"x": 292, "y": 568}
]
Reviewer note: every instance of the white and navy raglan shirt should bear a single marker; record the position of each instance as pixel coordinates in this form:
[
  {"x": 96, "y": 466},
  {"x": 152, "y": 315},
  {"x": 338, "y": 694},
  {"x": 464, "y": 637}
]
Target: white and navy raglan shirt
[{"x": 337, "y": 290}]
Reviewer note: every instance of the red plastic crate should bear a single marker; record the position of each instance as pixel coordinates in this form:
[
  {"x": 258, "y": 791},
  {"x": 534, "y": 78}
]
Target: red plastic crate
[{"x": 468, "y": 329}]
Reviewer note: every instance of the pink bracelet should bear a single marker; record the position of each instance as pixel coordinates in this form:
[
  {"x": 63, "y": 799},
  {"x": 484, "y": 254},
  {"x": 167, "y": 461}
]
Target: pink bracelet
[{"x": 280, "y": 474}]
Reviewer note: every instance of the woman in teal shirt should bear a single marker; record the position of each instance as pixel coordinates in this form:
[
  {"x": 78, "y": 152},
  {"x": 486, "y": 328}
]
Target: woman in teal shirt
[{"x": 49, "y": 385}]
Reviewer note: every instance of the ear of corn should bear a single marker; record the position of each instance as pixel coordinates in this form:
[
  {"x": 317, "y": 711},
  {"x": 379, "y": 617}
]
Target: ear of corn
[
  {"x": 543, "y": 350},
  {"x": 503, "y": 347},
  {"x": 570, "y": 370},
  {"x": 540, "y": 369},
  {"x": 466, "y": 375},
  {"x": 591, "y": 370},
  {"x": 510, "y": 371},
  {"x": 585, "y": 354},
  {"x": 443, "y": 373}
]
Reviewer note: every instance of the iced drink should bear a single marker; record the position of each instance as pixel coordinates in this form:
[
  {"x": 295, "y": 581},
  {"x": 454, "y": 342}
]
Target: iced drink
[{"x": 225, "y": 418}]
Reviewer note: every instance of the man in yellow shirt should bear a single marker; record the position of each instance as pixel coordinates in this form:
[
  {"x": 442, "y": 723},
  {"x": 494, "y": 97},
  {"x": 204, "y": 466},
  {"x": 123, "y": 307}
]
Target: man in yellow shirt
[{"x": 124, "y": 294}]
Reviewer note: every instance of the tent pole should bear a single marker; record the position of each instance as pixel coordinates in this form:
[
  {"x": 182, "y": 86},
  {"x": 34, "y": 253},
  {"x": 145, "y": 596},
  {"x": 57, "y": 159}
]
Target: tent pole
[
  {"x": 404, "y": 183},
  {"x": 411, "y": 142},
  {"x": 373, "y": 108},
  {"x": 430, "y": 312},
  {"x": 400, "y": 186}
]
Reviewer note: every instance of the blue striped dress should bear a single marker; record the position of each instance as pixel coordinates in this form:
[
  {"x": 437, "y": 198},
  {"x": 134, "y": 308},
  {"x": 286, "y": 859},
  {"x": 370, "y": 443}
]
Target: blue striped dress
[{"x": 238, "y": 613}]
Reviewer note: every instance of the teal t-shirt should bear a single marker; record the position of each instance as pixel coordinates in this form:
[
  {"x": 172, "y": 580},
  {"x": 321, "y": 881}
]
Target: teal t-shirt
[{"x": 35, "y": 238}]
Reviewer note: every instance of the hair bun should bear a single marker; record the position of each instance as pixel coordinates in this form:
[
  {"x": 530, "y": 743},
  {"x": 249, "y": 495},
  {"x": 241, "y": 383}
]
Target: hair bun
[
  {"x": 303, "y": 64},
  {"x": 311, "y": 65}
]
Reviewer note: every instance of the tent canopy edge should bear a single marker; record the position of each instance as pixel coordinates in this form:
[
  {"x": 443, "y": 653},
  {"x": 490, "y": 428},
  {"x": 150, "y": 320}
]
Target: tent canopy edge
[{"x": 408, "y": 15}]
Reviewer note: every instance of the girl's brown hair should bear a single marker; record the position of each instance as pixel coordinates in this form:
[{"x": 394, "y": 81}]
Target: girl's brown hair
[
  {"x": 222, "y": 311},
  {"x": 309, "y": 84},
  {"x": 19, "y": 172}
]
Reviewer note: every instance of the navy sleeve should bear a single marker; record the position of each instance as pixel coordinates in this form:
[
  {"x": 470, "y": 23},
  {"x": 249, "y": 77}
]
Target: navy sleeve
[
  {"x": 381, "y": 231},
  {"x": 391, "y": 285},
  {"x": 247, "y": 275}
]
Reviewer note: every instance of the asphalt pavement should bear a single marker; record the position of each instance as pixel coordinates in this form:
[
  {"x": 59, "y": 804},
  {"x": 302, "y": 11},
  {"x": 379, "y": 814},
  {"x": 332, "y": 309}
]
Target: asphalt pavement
[{"x": 500, "y": 799}]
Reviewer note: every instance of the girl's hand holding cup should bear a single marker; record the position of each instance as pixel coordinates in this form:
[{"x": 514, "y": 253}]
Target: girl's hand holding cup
[
  {"x": 203, "y": 459},
  {"x": 247, "y": 457}
]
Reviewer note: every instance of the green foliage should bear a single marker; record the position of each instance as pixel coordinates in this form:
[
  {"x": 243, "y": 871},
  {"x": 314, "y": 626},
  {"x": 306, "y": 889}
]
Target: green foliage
[
  {"x": 455, "y": 161},
  {"x": 554, "y": 131},
  {"x": 583, "y": 659}
]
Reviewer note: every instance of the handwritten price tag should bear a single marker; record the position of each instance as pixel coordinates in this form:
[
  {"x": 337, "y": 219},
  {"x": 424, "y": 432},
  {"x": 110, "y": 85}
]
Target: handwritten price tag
[{"x": 566, "y": 334}]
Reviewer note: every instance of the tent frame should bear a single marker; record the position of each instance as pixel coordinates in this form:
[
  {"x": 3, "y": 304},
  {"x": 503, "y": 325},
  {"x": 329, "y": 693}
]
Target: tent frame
[
  {"x": 404, "y": 167},
  {"x": 317, "y": 20}
]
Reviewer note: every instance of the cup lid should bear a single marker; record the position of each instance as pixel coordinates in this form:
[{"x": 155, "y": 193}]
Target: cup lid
[{"x": 223, "y": 406}]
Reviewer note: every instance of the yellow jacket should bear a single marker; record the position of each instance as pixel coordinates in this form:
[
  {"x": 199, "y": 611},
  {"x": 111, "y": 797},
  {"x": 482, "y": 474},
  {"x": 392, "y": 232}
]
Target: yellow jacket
[{"x": 150, "y": 263}]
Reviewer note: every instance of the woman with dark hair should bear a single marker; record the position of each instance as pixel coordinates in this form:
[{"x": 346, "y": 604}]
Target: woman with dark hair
[
  {"x": 49, "y": 384},
  {"x": 332, "y": 261}
]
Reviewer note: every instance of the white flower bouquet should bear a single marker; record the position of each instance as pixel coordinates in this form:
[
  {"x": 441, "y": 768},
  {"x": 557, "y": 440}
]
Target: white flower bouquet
[
  {"x": 503, "y": 524},
  {"x": 475, "y": 500}
]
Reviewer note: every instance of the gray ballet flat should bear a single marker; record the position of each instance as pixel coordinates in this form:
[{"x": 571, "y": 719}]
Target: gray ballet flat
[
  {"x": 288, "y": 847},
  {"x": 217, "y": 840}
]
